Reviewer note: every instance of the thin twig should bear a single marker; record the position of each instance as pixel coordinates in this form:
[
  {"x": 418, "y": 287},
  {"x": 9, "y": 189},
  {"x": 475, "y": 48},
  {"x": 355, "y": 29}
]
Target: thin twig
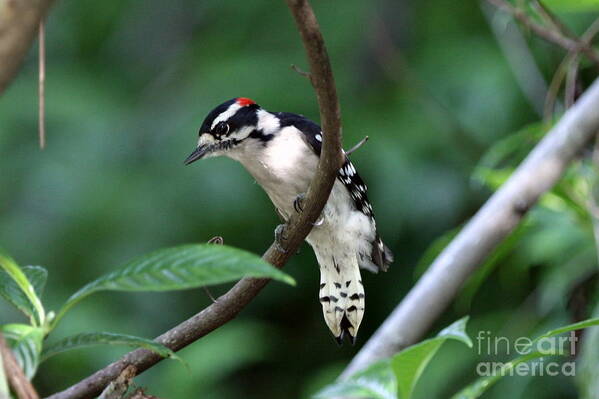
[
  {"x": 117, "y": 388},
  {"x": 358, "y": 145},
  {"x": 140, "y": 394},
  {"x": 218, "y": 240},
  {"x": 552, "y": 19},
  {"x": 14, "y": 374},
  {"x": 41, "y": 85},
  {"x": 541, "y": 169},
  {"x": 571, "y": 78},
  {"x": 231, "y": 303},
  {"x": 562, "y": 70},
  {"x": 591, "y": 32},
  {"x": 554, "y": 86},
  {"x": 301, "y": 71},
  {"x": 209, "y": 294},
  {"x": 550, "y": 35}
]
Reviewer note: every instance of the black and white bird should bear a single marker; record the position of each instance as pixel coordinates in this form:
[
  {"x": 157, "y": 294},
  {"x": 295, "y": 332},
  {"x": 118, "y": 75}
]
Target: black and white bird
[{"x": 281, "y": 151}]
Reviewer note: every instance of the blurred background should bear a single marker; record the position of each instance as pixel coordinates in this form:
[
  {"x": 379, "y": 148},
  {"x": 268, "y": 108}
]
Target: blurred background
[{"x": 128, "y": 85}]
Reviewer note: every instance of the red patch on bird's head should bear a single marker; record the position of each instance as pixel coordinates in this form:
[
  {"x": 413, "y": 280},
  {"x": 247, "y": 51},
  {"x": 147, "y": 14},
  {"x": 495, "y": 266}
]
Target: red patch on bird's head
[{"x": 244, "y": 102}]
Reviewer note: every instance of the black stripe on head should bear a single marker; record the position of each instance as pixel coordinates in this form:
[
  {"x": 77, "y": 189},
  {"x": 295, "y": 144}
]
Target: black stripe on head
[
  {"x": 207, "y": 124},
  {"x": 245, "y": 116}
]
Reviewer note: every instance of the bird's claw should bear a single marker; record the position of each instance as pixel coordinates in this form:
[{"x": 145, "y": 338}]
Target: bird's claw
[
  {"x": 298, "y": 203},
  {"x": 280, "y": 237}
]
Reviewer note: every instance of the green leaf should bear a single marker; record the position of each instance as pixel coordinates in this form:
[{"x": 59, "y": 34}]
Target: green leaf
[
  {"x": 511, "y": 150},
  {"x": 37, "y": 276},
  {"x": 498, "y": 163},
  {"x": 178, "y": 268},
  {"x": 375, "y": 382},
  {"x": 396, "y": 377},
  {"x": 492, "y": 178},
  {"x": 572, "y": 5},
  {"x": 18, "y": 290},
  {"x": 587, "y": 367},
  {"x": 570, "y": 327},
  {"x": 409, "y": 364},
  {"x": 12, "y": 293},
  {"x": 475, "y": 281},
  {"x": 26, "y": 344},
  {"x": 99, "y": 338},
  {"x": 478, "y": 387}
]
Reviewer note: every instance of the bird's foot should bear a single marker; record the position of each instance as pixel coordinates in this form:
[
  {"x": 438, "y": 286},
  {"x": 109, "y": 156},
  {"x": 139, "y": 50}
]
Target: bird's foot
[
  {"x": 298, "y": 203},
  {"x": 280, "y": 237}
]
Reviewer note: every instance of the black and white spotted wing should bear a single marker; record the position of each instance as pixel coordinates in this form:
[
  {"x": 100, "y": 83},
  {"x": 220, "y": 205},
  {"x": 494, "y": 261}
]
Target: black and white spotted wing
[
  {"x": 381, "y": 255},
  {"x": 346, "y": 175}
]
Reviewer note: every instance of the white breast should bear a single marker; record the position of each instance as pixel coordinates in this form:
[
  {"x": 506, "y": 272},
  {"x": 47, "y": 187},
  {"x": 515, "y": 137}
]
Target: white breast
[{"x": 284, "y": 167}]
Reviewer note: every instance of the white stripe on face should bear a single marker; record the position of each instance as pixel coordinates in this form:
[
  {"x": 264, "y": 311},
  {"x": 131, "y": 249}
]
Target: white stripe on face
[
  {"x": 233, "y": 108},
  {"x": 267, "y": 122},
  {"x": 242, "y": 133}
]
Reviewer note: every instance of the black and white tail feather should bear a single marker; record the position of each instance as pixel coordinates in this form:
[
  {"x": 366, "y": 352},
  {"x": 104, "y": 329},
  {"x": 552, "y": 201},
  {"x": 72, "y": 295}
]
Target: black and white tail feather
[{"x": 280, "y": 150}]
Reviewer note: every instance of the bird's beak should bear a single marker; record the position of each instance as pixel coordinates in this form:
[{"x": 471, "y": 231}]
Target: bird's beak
[{"x": 197, "y": 154}]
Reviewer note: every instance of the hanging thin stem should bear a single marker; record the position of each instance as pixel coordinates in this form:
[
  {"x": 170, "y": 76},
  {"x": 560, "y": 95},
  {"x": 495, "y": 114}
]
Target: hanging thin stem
[{"x": 41, "y": 86}]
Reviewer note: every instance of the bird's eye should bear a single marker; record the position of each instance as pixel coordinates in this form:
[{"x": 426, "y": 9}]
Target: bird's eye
[{"x": 221, "y": 129}]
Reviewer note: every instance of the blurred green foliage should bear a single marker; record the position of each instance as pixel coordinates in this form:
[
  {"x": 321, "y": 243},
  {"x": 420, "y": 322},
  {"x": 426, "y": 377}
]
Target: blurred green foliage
[
  {"x": 169, "y": 269},
  {"x": 128, "y": 84},
  {"x": 396, "y": 377}
]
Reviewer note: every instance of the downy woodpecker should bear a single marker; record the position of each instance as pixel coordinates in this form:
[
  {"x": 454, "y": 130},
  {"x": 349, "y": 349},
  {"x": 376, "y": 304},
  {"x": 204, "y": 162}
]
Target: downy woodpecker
[{"x": 281, "y": 150}]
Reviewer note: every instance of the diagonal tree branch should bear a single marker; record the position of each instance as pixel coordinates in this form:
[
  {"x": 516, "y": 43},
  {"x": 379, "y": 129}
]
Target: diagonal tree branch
[
  {"x": 230, "y": 304},
  {"x": 15, "y": 376},
  {"x": 19, "y": 22},
  {"x": 492, "y": 223}
]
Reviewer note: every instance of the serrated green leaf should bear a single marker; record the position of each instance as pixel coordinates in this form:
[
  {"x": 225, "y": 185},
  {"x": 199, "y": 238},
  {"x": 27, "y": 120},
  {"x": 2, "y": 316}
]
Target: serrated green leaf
[
  {"x": 375, "y": 382},
  {"x": 409, "y": 364},
  {"x": 83, "y": 340},
  {"x": 12, "y": 293},
  {"x": 26, "y": 344},
  {"x": 178, "y": 268},
  {"x": 37, "y": 276},
  {"x": 18, "y": 290}
]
